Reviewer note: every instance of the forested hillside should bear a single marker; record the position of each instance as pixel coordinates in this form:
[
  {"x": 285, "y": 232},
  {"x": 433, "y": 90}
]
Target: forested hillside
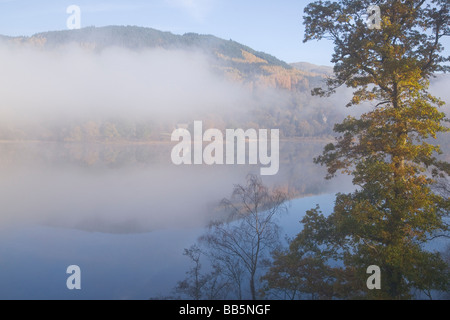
[{"x": 279, "y": 94}]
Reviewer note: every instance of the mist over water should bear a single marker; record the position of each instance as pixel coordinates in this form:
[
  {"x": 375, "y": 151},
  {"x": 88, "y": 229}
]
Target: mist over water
[
  {"x": 131, "y": 188},
  {"x": 124, "y": 188},
  {"x": 71, "y": 82},
  {"x": 121, "y": 212}
]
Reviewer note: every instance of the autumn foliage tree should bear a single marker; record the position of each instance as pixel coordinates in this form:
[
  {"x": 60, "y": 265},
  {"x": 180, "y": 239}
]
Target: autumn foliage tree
[{"x": 389, "y": 150}]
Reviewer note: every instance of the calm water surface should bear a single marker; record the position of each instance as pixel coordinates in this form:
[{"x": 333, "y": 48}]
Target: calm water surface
[{"x": 123, "y": 213}]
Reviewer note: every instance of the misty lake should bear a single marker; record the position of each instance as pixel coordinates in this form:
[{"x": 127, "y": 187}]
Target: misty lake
[{"x": 123, "y": 213}]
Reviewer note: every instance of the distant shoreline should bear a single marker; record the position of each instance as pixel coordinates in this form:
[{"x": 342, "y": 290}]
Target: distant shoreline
[{"x": 125, "y": 142}]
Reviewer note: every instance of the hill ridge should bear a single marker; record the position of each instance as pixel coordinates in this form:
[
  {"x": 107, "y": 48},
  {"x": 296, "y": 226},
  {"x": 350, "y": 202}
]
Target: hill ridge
[{"x": 232, "y": 59}]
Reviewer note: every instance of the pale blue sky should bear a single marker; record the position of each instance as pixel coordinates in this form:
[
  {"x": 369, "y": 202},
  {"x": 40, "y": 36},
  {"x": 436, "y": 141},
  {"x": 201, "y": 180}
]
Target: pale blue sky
[
  {"x": 274, "y": 27},
  {"x": 271, "y": 26}
]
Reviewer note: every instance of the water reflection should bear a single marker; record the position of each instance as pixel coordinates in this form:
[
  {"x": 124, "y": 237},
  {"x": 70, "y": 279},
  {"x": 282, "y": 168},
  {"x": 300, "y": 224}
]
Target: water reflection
[
  {"x": 132, "y": 188},
  {"x": 123, "y": 213}
]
